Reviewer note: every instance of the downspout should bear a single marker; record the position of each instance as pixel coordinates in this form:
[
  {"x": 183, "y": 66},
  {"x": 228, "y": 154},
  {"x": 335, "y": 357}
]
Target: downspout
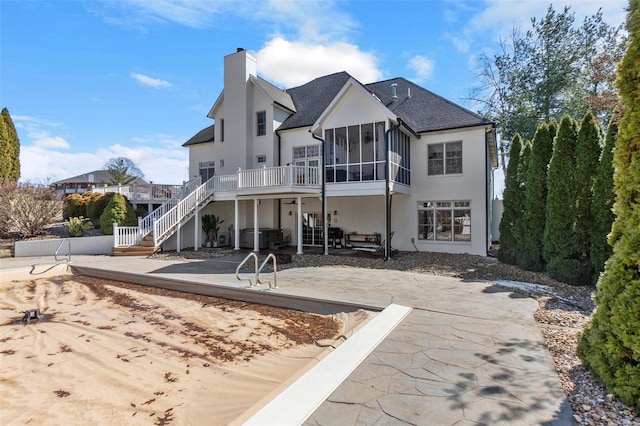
[
  {"x": 325, "y": 228},
  {"x": 387, "y": 192},
  {"x": 487, "y": 210},
  {"x": 279, "y": 164}
]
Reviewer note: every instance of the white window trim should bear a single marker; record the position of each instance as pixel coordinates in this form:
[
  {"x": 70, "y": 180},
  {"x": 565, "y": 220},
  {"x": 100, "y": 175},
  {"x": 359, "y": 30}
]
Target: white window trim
[
  {"x": 452, "y": 208},
  {"x": 258, "y": 113},
  {"x": 444, "y": 159}
]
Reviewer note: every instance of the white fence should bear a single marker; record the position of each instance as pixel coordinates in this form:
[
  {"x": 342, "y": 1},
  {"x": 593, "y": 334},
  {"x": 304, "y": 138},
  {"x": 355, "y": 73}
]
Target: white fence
[{"x": 81, "y": 245}]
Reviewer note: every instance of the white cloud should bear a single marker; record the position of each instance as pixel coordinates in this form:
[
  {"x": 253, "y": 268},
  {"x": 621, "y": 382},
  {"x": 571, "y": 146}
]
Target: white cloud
[
  {"x": 140, "y": 13},
  {"x": 46, "y": 158},
  {"x": 422, "y": 67},
  {"x": 150, "y": 81},
  {"x": 502, "y": 15},
  {"x": 43, "y": 140},
  {"x": 461, "y": 43},
  {"x": 291, "y": 63}
]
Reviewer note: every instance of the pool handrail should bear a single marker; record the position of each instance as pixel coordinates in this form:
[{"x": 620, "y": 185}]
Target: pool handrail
[
  {"x": 55, "y": 254},
  {"x": 250, "y": 255},
  {"x": 275, "y": 271}
]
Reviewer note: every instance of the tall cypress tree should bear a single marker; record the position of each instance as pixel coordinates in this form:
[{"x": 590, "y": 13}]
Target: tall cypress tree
[
  {"x": 523, "y": 168},
  {"x": 535, "y": 203},
  {"x": 610, "y": 345},
  {"x": 602, "y": 203},
  {"x": 512, "y": 204},
  {"x": 559, "y": 248},
  {"x": 587, "y": 158},
  {"x": 5, "y": 152},
  {"x": 12, "y": 147}
]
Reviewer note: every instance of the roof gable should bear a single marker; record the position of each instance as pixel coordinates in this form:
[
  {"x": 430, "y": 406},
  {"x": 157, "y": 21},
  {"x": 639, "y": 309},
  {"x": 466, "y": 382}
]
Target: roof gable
[
  {"x": 278, "y": 96},
  {"x": 312, "y": 98},
  {"x": 351, "y": 83}
]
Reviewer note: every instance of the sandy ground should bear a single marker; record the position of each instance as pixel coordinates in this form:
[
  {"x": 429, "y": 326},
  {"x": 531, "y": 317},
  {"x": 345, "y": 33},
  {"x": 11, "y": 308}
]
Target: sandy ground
[{"x": 115, "y": 353}]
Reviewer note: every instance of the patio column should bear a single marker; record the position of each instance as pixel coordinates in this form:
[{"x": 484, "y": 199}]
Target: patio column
[
  {"x": 299, "y": 201},
  {"x": 256, "y": 229},
  {"x": 179, "y": 237},
  {"x": 196, "y": 234},
  {"x": 236, "y": 228}
]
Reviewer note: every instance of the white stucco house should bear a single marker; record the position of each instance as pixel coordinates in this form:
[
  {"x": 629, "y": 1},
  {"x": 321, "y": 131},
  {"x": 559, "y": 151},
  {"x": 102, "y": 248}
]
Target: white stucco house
[{"x": 337, "y": 161}]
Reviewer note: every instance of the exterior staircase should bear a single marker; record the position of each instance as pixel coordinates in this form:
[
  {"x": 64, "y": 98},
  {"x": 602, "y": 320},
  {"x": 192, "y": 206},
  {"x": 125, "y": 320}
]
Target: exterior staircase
[
  {"x": 155, "y": 228},
  {"x": 144, "y": 248}
]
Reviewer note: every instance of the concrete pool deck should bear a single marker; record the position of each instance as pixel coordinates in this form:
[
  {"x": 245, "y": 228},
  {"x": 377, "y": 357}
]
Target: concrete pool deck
[{"x": 468, "y": 353}]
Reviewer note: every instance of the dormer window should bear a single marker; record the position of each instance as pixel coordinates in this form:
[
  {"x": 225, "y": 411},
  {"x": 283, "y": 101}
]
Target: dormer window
[{"x": 261, "y": 122}]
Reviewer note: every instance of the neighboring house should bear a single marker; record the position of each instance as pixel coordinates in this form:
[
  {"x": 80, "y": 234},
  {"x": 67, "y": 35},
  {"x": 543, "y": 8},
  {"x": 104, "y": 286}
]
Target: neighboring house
[
  {"x": 139, "y": 192},
  {"x": 81, "y": 183},
  {"x": 388, "y": 158}
]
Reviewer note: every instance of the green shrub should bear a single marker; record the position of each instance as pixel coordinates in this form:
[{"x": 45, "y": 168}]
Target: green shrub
[
  {"x": 96, "y": 206},
  {"x": 570, "y": 271},
  {"x": 76, "y": 226},
  {"x": 117, "y": 211},
  {"x": 74, "y": 206}
]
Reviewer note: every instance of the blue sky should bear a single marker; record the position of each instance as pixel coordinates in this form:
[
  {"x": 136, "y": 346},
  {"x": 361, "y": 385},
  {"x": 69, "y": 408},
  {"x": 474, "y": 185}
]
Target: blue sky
[{"x": 86, "y": 81}]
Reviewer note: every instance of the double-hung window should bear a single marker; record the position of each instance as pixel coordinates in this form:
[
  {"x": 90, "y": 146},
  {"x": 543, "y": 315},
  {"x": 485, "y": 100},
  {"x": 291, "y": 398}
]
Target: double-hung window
[
  {"x": 207, "y": 170},
  {"x": 444, "y": 158},
  {"x": 444, "y": 221},
  {"x": 261, "y": 123}
]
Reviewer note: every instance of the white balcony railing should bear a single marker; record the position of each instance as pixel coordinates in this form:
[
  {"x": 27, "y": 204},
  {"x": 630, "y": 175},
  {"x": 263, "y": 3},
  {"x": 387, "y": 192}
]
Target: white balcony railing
[{"x": 273, "y": 177}]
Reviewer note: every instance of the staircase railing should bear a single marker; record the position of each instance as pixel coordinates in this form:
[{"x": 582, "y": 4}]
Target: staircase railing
[
  {"x": 163, "y": 226},
  {"x": 124, "y": 236}
]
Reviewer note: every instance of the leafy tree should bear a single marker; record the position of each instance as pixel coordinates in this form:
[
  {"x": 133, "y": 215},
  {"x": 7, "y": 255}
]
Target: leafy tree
[
  {"x": 117, "y": 211},
  {"x": 553, "y": 69},
  {"x": 602, "y": 203},
  {"x": 559, "y": 248},
  {"x": 512, "y": 203},
  {"x": 610, "y": 345},
  {"x": 588, "y": 150},
  {"x": 535, "y": 203},
  {"x": 9, "y": 148},
  {"x": 122, "y": 171}
]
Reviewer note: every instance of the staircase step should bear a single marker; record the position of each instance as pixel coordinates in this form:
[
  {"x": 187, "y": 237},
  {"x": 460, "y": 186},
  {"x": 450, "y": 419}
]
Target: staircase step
[
  {"x": 146, "y": 243},
  {"x": 134, "y": 251}
]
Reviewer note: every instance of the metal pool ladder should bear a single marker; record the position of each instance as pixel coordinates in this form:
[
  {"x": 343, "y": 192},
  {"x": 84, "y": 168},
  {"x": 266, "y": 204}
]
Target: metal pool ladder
[
  {"x": 68, "y": 241},
  {"x": 259, "y": 269}
]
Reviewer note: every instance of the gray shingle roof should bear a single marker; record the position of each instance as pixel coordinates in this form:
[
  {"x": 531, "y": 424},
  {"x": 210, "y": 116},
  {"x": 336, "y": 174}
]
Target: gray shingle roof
[
  {"x": 279, "y": 96},
  {"x": 312, "y": 98},
  {"x": 203, "y": 136},
  {"x": 99, "y": 177},
  {"x": 424, "y": 111}
]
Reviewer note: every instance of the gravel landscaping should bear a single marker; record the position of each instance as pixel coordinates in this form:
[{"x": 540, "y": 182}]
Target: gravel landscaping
[{"x": 563, "y": 312}]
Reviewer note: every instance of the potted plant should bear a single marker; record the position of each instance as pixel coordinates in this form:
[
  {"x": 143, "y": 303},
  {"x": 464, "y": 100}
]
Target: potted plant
[
  {"x": 216, "y": 222},
  {"x": 208, "y": 227}
]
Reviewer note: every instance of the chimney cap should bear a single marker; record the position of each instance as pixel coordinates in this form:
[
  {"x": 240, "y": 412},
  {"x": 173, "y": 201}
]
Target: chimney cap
[{"x": 240, "y": 49}]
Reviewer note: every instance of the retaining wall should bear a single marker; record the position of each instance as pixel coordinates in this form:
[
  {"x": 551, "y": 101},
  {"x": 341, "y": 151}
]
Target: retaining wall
[{"x": 80, "y": 245}]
